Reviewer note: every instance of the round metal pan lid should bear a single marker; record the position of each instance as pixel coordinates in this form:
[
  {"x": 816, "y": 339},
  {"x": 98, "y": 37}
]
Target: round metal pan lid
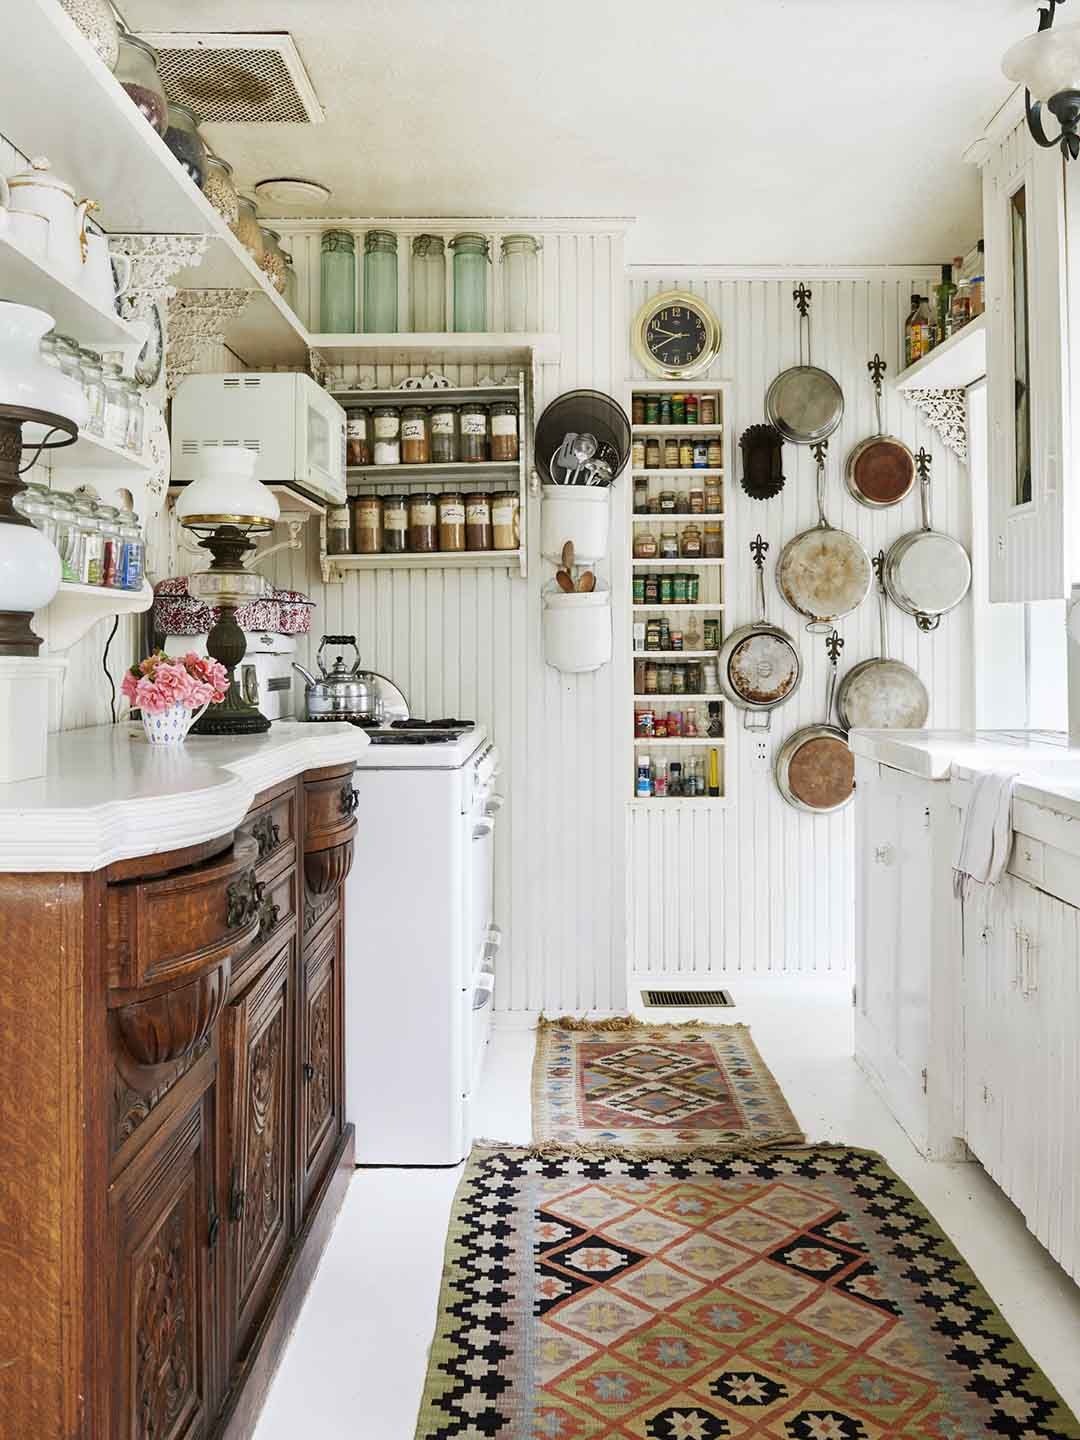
[
  {"x": 764, "y": 669},
  {"x": 821, "y": 771},
  {"x": 805, "y": 404}
]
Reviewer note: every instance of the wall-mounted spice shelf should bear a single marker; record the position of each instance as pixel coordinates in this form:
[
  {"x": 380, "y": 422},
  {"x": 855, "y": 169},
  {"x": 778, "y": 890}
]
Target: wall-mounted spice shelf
[
  {"x": 689, "y": 742},
  {"x": 704, "y": 431},
  {"x": 76, "y": 609},
  {"x": 683, "y": 472},
  {"x": 686, "y": 562},
  {"x": 436, "y": 560},
  {"x": 679, "y": 609},
  {"x": 410, "y": 474}
]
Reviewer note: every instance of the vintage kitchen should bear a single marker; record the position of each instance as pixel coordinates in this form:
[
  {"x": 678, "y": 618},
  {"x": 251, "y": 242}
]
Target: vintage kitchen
[{"x": 540, "y": 655}]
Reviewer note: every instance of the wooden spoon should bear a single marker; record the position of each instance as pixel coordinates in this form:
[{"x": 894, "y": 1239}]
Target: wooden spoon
[
  {"x": 565, "y": 581},
  {"x": 568, "y": 555},
  {"x": 587, "y": 582}
]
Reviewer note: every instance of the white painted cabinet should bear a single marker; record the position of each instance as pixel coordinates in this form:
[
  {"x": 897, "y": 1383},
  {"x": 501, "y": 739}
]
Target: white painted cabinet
[
  {"x": 1026, "y": 368},
  {"x": 907, "y": 950}
]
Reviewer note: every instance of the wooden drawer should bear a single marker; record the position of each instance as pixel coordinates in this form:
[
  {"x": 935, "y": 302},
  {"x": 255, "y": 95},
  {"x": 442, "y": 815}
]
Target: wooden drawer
[
  {"x": 271, "y": 822},
  {"x": 1027, "y": 859},
  {"x": 174, "y": 928},
  {"x": 329, "y": 807},
  {"x": 277, "y": 912}
]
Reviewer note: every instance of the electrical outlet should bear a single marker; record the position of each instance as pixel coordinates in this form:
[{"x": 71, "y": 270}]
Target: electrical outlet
[{"x": 760, "y": 759}]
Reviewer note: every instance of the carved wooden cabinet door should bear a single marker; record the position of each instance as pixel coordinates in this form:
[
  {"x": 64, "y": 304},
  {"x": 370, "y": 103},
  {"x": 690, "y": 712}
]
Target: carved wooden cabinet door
[
  {"x": 164, "y": 1215},
  {"x": 320, "y": 1087},
  {"x": 258, "y": 1072}
]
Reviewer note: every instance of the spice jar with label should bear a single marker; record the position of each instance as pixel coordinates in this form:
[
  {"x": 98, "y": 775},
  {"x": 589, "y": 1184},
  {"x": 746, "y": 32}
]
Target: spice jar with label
[
  {"x": 691, "y": 410},
  {"x": 506, "y": 520},
  {"x": 712, "y": 545},
  {"x": 387, "y": 427},
  {"x": 665, "y": 409},
  {"x": 690, "y": 542},
  {"x": 652, "y": 454},
  {"x": 701, "y": 455},
  {"x": 338, "y": 530},
  {"x": 451, "y": 521},
  {"x": 671, "y": 453},
  {"x": 641, "y": 495},
  {"x": 423, "y": 523},
  {"x": 444, "y": 435},
  {"x": 678, "y": 409},
  {"x": 474, "y": 432},
  {"x": 669, "y": 545},
  {"x": 357, "y": 439},
  {"x": 637, "y": 454},
  {"x": 712, "y": 635},
  {"x": 667, "y": 593},
  {"x": 714, "y": 453},
  {"x": 645, "y": 545},
  {"x": 679, "y": 589},
  {"x": 652, "y": 589},
  {"x": 638, "y": 587},
  {"x": 686, "y": 452},
  {"x": 478, "y": 521},
  {"x": 652, "y": 409},
  {"x": 395, "y": 524},
  {"x": 714, "y": 497},
  {"x": 504, "y": 430},
  {"x": 707, "y": 410},
  {"x": 415, "y": 437},
  {"x": 637, "y": 410},
  {"x": 669, "y": 502},
  {"x": 368, "y": 525}
]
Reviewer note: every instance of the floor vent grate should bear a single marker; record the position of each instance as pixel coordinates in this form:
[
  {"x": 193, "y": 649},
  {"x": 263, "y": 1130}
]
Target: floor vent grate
[
  {"x": 250, "y": 79},
  {"x": 686, "y": 999}
]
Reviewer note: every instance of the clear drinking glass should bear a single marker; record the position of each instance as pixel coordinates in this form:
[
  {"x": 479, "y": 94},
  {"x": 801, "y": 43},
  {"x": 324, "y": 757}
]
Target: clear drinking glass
[
  {"x": 471, "y": 259},
  {"x": 380, "y": 282},
  {"x": 427, "y": 283},
  {"x": 337, "y": 276},
  {"x": 521, "y": 282}
]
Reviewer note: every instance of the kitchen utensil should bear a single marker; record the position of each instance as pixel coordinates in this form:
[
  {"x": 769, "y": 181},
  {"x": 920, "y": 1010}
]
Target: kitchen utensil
[
  {"x": 345, "y": 694},
  {"x": 762, "y": 449},
  {"x": 927, "y": 573},
  {"x": 759, "y": 664},
  {"x": 564, "y": 431},
  {"x": 565, "y": 581},
  {"x": 41, "y": 192},
  {"x": 568, "y": 555},
  {"x": 804, "y": 403},
  {"x": 823, "y": 573},
  {"x": 815, "y": 770},
  {"x": 587, "y": 583},
  {"x": 880, "y": 471},
  {"x": 104, "y": 277},
  {"x": 882, "y": 694}
]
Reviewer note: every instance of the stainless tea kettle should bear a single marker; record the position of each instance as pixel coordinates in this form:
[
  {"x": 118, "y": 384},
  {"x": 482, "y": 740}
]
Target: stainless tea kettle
[{"x": 341, "y": 694}]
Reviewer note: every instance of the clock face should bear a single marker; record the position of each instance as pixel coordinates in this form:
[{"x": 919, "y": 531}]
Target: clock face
[{"x": 675, "y": 336}]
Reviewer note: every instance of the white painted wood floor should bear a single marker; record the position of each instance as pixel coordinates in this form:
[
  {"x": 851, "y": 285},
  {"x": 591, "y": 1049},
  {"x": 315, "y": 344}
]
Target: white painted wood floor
[{"x": 355, "y": 1366}]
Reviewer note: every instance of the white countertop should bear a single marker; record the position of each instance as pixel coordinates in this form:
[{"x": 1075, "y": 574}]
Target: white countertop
[
  {"x": 110, "y": 795},
  {"x": 1046, "y": 766}
]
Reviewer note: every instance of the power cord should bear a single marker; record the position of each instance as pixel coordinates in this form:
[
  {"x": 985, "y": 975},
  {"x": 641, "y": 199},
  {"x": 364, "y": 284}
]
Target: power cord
[{"x": 105, "y": 667}]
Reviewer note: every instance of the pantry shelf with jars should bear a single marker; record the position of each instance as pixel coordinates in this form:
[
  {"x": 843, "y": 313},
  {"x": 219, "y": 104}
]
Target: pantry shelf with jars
[
  {"x": 436, "y": 478},
  {"x": 676, "y": 524},
  {"x": 953, "y": 365}
]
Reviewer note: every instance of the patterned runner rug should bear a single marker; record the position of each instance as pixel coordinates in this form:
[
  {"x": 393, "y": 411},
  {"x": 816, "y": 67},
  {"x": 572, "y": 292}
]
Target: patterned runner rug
[
  {"x": 806, "y": 1295},
  {"x": 620, "y": 1084}
]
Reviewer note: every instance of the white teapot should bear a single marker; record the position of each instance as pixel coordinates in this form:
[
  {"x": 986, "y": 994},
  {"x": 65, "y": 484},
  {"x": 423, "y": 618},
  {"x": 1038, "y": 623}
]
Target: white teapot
[{"x": 40, "y": 192}]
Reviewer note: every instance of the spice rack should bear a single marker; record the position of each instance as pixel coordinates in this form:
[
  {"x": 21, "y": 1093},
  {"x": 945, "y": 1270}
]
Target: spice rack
[
  {"x": 683, "y": 607},
  {"x": 489, "y": 476}
]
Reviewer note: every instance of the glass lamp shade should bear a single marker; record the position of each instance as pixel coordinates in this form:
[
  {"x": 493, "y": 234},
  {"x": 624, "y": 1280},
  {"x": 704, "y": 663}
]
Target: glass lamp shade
[
  {"x": 1047, "y": 63},
  {"x": 26, "y": 380},
  {"x": 29, "y": 569},
  {"x": 227, "y": 493}
]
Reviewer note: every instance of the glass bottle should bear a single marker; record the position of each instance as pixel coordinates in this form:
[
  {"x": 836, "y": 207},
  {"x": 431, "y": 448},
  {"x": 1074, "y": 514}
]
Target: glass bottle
[
  {"x": 943, "y": 298},
  {"x": 337, "y": 278},
  {"x": 116, "y": 406},
  {"x": 136, "y": 423},
  {"x": 909, "y": 332},
  {"x": 247, "y": 229},
  {"x": 94, "y": 385},
  {"x": 471, "y": 259},
  {"x": 474, "y": 433},
  {"x": 136, "y": 70},
  {"x": 220, "y": 190},
  {"x": 272, "y": 260},
  {"x": 504, "y": 430},
  {"x": 415, "y": 436},
  {"x": 520, "y": 282},
  {"x": 112, "y": 546},
  {"x": 380, "y": 282},
  {"x": 68, "y": 538},
  {"x": 183, "y": 139},
  {"x": 92, "y": 545},
  {"x": 444, "y": 435},
  {"x": 427, "y": 284},
  {"x": 134, "y": 548}
]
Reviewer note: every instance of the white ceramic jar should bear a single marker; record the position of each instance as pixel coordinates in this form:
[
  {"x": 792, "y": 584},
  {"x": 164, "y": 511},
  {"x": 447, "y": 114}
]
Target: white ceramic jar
[{"x": 40, "y": 192}]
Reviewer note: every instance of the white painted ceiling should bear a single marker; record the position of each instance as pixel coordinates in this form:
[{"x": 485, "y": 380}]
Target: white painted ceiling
[{"x": 735, "y": 131}]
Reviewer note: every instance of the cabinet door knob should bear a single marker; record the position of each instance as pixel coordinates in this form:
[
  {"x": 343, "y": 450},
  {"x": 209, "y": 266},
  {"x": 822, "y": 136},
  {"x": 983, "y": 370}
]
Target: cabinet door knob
[{"x": 309, "y": 1071}]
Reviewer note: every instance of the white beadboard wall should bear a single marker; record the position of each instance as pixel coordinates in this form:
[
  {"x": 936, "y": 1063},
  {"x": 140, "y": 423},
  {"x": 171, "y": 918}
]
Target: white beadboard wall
[
  {"x": 757, "y": 887},
  {"x": 467, "y": 642}
]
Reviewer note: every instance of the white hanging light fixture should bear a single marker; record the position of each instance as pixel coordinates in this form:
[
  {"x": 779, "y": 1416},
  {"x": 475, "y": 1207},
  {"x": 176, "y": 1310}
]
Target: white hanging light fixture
[{"x": 1047, "y": 64}]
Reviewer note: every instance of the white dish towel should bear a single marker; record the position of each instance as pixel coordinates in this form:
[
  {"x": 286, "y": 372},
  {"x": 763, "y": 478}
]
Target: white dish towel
[{"x": 986, "y": 838}]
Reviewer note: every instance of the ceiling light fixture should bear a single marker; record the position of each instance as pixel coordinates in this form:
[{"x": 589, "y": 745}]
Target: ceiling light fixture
[
  {"x": 286, "y": 190},
  {"x": 1047, "y": 64}
]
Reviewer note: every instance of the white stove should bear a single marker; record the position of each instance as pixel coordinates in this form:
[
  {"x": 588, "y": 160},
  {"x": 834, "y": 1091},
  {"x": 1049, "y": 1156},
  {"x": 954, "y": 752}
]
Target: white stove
[{"x": 421, "y": 948}]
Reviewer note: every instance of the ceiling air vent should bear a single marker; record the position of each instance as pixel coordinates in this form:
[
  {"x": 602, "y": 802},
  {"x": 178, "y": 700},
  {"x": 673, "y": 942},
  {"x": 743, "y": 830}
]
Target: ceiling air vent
[
  {"x": 227, "y": 79},
  {"x": 686, "y": 999}
]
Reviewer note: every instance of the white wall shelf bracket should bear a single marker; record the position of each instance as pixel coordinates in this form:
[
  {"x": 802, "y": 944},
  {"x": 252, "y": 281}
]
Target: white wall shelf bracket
[{"x": 945, "y": 411}]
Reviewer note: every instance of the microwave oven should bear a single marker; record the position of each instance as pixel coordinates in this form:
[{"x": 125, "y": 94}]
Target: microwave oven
[{"x": 293, "y": 425}]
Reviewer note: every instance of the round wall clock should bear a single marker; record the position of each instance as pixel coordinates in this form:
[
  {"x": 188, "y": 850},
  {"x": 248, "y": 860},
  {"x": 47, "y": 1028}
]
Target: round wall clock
[{"x": 676, "y": 335}]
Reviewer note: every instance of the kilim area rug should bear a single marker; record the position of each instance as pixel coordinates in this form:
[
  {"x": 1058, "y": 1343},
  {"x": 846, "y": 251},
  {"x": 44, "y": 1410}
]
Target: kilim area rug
[
  {"x": 802, "y": 1295},
  {"x": 621, "y": 1084}
]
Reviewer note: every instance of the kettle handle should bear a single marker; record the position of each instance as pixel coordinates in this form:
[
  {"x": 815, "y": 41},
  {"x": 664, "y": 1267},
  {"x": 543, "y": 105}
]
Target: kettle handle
[{"x": 338, "y": 640}]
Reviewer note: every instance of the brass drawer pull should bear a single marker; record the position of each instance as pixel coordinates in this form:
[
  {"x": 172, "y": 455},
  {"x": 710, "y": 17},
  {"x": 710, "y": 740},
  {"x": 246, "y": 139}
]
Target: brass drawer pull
[
  {"x": 242, "y": 900},
  {"x": 350, "y": 798},
  {"x": 266, "y": 834}
]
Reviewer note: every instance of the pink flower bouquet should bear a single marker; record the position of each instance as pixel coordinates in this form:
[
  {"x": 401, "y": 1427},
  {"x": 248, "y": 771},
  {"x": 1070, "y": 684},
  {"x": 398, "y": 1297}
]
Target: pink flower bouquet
[{"x": 169, "y": 691}]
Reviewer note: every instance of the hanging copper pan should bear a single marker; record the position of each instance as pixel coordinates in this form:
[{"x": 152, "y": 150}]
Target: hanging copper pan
[
  {"x": 880, "y": 471},
  {"x": 815, "y": 770}
]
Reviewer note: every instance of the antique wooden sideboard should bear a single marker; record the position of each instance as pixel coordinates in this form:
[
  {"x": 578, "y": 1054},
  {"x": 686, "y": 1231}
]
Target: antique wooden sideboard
[{"x": 173, "y": 1143}]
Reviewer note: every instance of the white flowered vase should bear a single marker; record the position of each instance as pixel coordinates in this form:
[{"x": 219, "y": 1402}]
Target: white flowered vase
[{"x": 170, "y": 727}]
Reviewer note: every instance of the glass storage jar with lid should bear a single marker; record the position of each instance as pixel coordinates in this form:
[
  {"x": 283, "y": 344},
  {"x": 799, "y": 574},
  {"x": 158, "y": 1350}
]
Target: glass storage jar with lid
[
  {"x": 423, "y": 523},
  {"x": 471, "y": 259},
  {"x": 337, "y": 279},
  {"x": 183, "y": 139},
  {"x": 219, "y": 189},
  {"x": 112, "y": 546},
  {"x": 96, "y": 20},
  {"x": 272, "y": 260},
  {"x": 94, "y": 386},
  {"x": 395, "y": 524},
  {"x": 478, "y": 534},
  {"x": 415, "y": 436},
  {"x": 444, "y": 435},
  {"x": 504, "y": 430},
  {"x": 134, "y": 550},
  {"x": 521, "y": 282},
  {"x": 357, "y": 435},
  {"x": 136, "y": 69},
  {"x": 368, "y": 525},
  {"x": 33, "y": 501},
  {"x": 116, "y": 406},
  {"x": 506, "y": 520},
  {"x": 247, "y": 229},
  {"x": 380, "y": 282},
  {"x": 387, "y": 427},
  {"x": 427, "y": 284},
  {"x": 474, "y": 433},
  {"x": 68, "y": 538},
  {"x": 93, "y": 542},
  {"x": 136, "y": 425},
  {"x": 289, "y": 294},
  {"x": 451, "y": 520}
]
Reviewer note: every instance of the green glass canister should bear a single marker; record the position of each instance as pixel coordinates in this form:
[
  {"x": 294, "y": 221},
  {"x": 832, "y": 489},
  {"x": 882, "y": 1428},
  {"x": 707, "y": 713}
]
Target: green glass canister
[
  {"x": 380, "y": 282},
  {"x": 337, "y": 280},
  {"x": 472, "y": 256},
  {"x": 427, "y": 284}
]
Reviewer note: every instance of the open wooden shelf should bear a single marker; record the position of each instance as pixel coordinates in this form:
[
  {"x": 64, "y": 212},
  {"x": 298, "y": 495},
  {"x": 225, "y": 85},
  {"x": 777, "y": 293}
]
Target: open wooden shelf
[
  {"x": 676, "y": 654},
  {"x": 690, "y": 742},
  {"x": 448, "y": 395},
  {"x": 76, "y": 609},
  {"x": 685, "y": 561},
  {"x": 479, "y": 470},
  {"x": 703, "y": 430},
  {"x": 435, "y": 560},
  {"x": 681, "y": 473},
  {"x": 639, "y": 518},
  {"x": 685, "y": 802},
  {"x": 436, "y": 348},
  {"x": 663, "y": 605},
  {"x": 955, "y": 364},
  {"x": 33, "y": 281}
]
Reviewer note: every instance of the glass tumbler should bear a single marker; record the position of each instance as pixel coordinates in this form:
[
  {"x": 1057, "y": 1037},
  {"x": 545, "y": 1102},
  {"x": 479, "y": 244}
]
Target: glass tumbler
[
  {"x": 380, "y": 282},
  {"x": 337, "y": 278},
  {"x": 471, "y": 260},
  {"x": 427, "y": 283},
  {"x": 521, "y": 282}
]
